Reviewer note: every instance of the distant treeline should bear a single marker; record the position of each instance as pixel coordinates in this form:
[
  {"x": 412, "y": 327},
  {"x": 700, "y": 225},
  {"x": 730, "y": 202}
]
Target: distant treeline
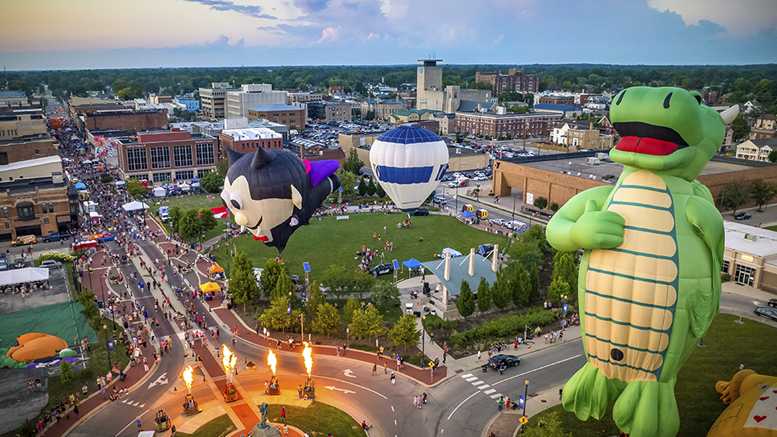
[{"x": 748, "y": 81}]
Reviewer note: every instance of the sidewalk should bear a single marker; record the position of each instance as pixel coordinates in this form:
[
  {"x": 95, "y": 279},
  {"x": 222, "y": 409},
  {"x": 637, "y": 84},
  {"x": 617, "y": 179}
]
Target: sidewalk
[{"x": 507, "y": 423}]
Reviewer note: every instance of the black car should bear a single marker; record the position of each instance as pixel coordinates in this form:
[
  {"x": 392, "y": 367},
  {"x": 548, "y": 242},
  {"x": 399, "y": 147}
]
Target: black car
[
  {"x": 772, "y": 303},
  {"x": 382, "y": 269},
  {"x": 421, "y": 211},
  {"x": 509, "y": 361},
  {"x": 742, "y": 216},
  {"x": 769, "y": 313}
]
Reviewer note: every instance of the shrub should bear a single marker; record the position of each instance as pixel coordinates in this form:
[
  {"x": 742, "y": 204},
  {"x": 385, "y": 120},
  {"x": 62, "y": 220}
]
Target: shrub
[
  {"x": 435, "y": 322},
  {"x": 56, "y": 256},
  {"x": 67, "y": 374},
  {"x": 503, "y": 327},
  {"x": 554, "y": 206}
]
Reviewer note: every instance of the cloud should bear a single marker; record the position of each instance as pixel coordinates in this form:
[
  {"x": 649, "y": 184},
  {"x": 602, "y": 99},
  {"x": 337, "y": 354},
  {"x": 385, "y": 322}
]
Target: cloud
[
  {"x": 330, "y": 34},
  {"x": 308, "y": 6},
  {"x": 225, "y": 5}
]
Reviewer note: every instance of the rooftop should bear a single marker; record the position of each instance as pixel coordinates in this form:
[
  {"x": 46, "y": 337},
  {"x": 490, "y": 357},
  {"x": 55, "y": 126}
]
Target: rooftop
[
  {"x": 554, "y": 107},
  {"x": 459, "y": 272},
  {"x": 8, "y": 94},
  {"x": 267, "y": 108},
  {"x": 27, "y": 139},
  {"x": 31, "y": 163},
  {"x": 261, "y": 133},
  {"x": 471, "y": 105},
  {"x": 29, "y": 185},
  {"x": 765, "y": 243}
]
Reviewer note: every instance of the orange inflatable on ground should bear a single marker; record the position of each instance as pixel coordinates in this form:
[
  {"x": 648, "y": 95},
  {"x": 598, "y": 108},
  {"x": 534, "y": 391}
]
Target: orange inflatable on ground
[
  {"x": 34, "y": 346},
  {"x": 753, "y": 406}
]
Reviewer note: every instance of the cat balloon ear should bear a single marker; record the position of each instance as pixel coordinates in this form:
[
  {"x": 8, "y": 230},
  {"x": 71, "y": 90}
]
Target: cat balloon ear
[
  {"x": 233, "y": 156},
  {"x": 261, "y": 158}
]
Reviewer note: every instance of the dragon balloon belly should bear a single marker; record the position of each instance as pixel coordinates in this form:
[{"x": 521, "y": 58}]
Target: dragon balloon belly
[{"x": 631, "y": 291}]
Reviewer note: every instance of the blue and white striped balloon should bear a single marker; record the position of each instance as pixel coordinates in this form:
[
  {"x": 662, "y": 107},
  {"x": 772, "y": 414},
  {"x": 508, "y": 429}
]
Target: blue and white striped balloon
[{"x": 408, "y": 161}]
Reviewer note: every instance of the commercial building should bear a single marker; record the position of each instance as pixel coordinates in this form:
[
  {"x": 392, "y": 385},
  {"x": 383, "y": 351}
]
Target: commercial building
[
  {"x": 559, "y": 177},
  {"x": 251, "y": 95},
  {"x": 11, "y": 101},
  {"x": 78, "y": 106},
  {"x": 304, "y": 97},
  {"x": 248, "y": 140},
  {"x": 21, "y": 124},
  {"x": 166, "y": 155},
  {"x": 581, "y": 135},
  {"x": 315, "y": 151},
  {"x": 750, "y": 256},
  {"x": 213, "y": 99},
  {"x": 506, "y": 125},
  {"x": 756, "y": 150},
  {"x": 765, "y": 127},
  {"x": 567, "y": 99},
  {"x": 190, "y": 103},
  {"x": 515, "y": 80},
  {"x": 329, "y": 111},
  {"x": 291, "y": 116},
  {"x": 432, "y": 95},
  {"x": 142, "y": 120},
  {"x": 566, "y": 111},
  {"x": 380, "y": 109},
  {"x": 445, "y": 122}
]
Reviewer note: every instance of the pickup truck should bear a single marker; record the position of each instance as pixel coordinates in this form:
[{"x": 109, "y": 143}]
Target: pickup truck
[
  {"x": 55, "y": 237},
  {"x": 23, "y": 240}
]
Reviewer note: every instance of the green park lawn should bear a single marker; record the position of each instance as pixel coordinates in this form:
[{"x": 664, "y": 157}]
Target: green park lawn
[
  {"x": 330, "y": 241},
  {"x": 218, "y": 427},
  {"x": 317, "y": 419},
  {"x": 727, "y": 345},
  {"x": 772, "y": 228},
  {"x": 189, "y": 202}
]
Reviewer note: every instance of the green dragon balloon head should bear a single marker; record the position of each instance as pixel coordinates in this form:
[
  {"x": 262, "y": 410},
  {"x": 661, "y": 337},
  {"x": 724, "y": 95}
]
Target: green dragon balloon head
[{"x": 666, "y": 130}]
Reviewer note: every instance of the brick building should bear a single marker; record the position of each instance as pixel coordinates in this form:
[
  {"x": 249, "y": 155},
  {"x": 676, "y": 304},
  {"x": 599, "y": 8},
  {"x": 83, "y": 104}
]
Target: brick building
[
  {"x": 515, "y": 80},
  {"x": 143, "y": 120},
  {"x": 765, "y": 127},
  {"x": 248, "y": 140},
  {"x": 166, "y": 155},
  {"x": 329, "y": 111},
  {"x": 291, "y": 116},
  {"x": 496, "y": 124}
]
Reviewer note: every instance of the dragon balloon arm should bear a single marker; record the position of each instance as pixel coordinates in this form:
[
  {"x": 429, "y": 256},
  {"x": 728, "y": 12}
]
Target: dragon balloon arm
[
  {"x": 708, "y": 223},
  {"x": 581, "y": 224}
]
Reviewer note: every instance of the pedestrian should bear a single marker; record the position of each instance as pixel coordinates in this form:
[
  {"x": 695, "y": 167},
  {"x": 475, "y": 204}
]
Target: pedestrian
[
  {"x": 299, "y": 391},
  {"x": 560, "y": 392},
  {"x": 507, "y": 403},
  {"x": 137, "y": 421},
  {"x": 283, "y": 413},
  {"x": 374, "y": 368},
  {"x": 75, "y": 410},
  {"x": 32, "y": 388},
  {"x": 385, "y": 370},
  {"x": 37, "y": 383},
  {"x": 478, "y": 355},
  {"x": 102, "y": 390},
  {"x": 501, "y": 402},
  {"x": 393, "y": 378}
]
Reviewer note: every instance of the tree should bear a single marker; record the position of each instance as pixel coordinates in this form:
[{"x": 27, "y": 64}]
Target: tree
[
  {"x": 554, "y": 207},
  {"x": 327, "y": 320},
  {"x": 773, "y": 156},
  {"x": 541, "y": 202},
  {"x": 66, "y": 374},
  {"x": 339, "y": 280},
  {"x": 466, "y": 301},
  {"x": 352, "y": 163},
  {"x": 105, "y": 178},
  {"x": 222, "y": 167},
  {"x": 371, "y": 189},
  {"x": 557, "y": 289},
  {"x": 362, "y": 187},
  {"x": 565, "y": 269},
  {"x": 212, "y": 182},
  {"x": 242, "y": 282},
  {"x": 187, "y": 225},
  {"x": 521, "y": 286},
  {"x": 404, "y": 333},
  {"x": 90, "y": 312},
  {"x": 534, "y": 278},
  {"x": 484, "y": 296},
  {"x": 740, "y": 128},
  {"x": 500, "y": 291},
  {"x": 135, "y": 188},
  {"x": 762, "y": 192},
  {"x": 367, "y": 322},
  {"x": 270, "y": 274},
  {"x": 315, "y": 299},
  {"x": 205, "y": 220},
  {"x": 382, "y": 193},
  {"x": 347, "y": 181},
  {"x": 277, "y": 317},
  {"x": 283, "y": 287},
  {"x": 733, "y": 196},
  {"x": 351, "y": 305},
  {"x": 175, "y": 217},
  {"x": 385, "y": 295}
]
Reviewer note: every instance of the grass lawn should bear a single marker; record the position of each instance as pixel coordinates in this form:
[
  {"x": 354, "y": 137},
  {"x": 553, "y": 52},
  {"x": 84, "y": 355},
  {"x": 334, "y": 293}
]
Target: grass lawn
[
  {"x": 317, "y": 419},
  {"x": 772, "y": 228},
  {"x": 728, "y": 345},
  {"x": 218, "y": 427},
  {"x": 330, "y": 241},
  {"x": 189, "y": 202}
]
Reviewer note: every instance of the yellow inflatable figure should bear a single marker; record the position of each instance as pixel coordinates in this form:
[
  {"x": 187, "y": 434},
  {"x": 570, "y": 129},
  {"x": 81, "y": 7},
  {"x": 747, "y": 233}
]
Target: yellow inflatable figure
[{"x": 753, "y": 406}]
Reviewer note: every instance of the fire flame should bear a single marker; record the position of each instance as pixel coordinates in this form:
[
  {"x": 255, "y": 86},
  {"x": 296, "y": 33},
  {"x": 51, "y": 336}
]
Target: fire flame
[
  {"x": 307, "y": 354},
  {"x": 271, "y": 361},
  {"x": 187, "y": 377},
  {"x": 229, "y": 359}
]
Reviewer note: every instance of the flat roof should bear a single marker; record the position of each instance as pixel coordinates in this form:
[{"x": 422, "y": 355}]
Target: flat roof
[
  {"x": 576, "y": 166},
  {"x": 265, "y": 108},
  {"x": 765, "y": 243},
  {"x": 31, "y": 163},
  {"x": 29, "y": 185},
  {"x": 260, "y": 133}
]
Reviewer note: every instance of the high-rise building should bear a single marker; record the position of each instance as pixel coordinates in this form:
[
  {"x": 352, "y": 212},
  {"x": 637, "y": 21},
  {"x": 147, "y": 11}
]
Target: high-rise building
[
  {"x": 250, "y": 95},
  {"x": 432, "y": 95},
  {"x": 213, "y": 99}
]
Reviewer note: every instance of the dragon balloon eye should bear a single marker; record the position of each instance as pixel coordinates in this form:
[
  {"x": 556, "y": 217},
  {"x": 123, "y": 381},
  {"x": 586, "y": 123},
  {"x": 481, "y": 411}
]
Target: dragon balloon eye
[{"x": 236, "y": 201}]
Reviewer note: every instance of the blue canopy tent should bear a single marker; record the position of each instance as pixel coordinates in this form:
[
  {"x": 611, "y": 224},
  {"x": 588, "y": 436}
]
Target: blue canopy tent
[
  {"x": 467, "y": 214},
  {"x": 411, "y": 263},
  {"x": 195, "y": 179},
  {"x": 80, "y": 186}
]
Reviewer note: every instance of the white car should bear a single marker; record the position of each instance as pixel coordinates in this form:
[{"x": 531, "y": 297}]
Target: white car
[{"x": 497, "y": 222}]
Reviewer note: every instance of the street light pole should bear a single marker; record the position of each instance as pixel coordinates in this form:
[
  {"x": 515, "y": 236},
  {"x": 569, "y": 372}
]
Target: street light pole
[
  {"x": 525, "y": 400},
  {"x": 423, "y": 341},
  {"x": 107, "y": 347}
]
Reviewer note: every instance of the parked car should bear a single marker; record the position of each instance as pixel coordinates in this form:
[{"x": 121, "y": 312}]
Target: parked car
[
  {"x": 497, "y": 222},
  {"x": 51, "y": 264},
  {"x": 382, "y": 269},
  {"x": 3, "y": 262},
  {"x": 55, "y": 236},
  {"x": 742, "y": 216},
  {"x": 509, "y": 361},
  {"x": 23, "y": 240},
  {"x": 440, "y": 200},
  {"x": 772, "y": 303},
  {"x": 769, "y": 313},
  {"x": 485, "y": 249},
  {"x": 421, "y": 211}
]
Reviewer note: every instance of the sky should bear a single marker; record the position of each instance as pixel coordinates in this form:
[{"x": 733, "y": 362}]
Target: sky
[{"x": 93, "y": 34}]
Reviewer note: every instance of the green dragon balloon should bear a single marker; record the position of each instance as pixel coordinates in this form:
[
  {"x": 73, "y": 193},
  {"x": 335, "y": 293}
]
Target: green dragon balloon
[{"x": 650, "y": 273}]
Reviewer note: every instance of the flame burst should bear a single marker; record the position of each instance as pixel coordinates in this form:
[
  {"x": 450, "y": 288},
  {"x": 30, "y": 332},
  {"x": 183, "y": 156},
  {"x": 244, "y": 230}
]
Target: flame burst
[
  {"x": 229, "y": 359},
  {"x": 187, "y": 378},
  {"x": 271, "y": 361},
  {"x": 307, "y": 354}
]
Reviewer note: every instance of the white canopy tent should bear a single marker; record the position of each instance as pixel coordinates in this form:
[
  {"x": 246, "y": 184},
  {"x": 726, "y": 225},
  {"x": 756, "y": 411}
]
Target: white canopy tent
[
  {"x": 20, "y": 276},
  {"x": 160, "y": 192},
  {"x": 185, "y": 187},
  {"x": 134, "y": 206}
]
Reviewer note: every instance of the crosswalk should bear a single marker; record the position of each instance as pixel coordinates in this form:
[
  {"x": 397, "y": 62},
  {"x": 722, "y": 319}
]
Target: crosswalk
[
  {"x": 133, "y": 404},
  {"x": 481, "y": 385}
]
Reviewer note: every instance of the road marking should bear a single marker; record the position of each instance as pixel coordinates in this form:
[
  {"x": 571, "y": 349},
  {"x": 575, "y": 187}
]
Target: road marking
[
  {"x": 349, "y": 373},
  {"x": 395, "y": 422},
  {"x": 462, "y": 403},
  {"x": 347, "y": 382},
  {"x": 478, "y": 382},
  {"x": 142, "y": 405},
  {"x": 392, "y": 408},
  {"x": 471, "y": 379},
  {"x": 162, "y": 380},
  {"x": 494, "y": 396},
  {"x": 131, "y": 423},
  {"x": 489, "y": 391},
  {"x": 484, "y": 386},
  {"x": 466, "y": 376},
  {"x": 338, "y": 389},
  {"x": 538, "y": 368}
]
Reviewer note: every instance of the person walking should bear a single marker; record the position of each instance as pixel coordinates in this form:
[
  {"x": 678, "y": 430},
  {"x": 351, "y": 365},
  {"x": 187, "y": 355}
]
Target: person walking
[
  {"x": 283, "y": 413},
  {"x": 75, "y": 410},
  {"x": 478, "y": 355},
  {"x": 385, "y": 370},
  {"x": 374, "y": 369},
  {"x": 393, "y": 378},
  {"x": 32, "y": 387},
  {"x": 501, "y": 403},
  {"x": 137, "y": 422}
]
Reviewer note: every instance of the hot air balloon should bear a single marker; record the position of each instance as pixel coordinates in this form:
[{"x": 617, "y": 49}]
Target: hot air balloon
[
  {"x": 274, "y": 192},
  {"x": 408, "y": 162}
]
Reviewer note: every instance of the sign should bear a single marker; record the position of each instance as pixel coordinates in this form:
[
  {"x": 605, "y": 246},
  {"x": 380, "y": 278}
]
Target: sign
[
  {"x": 523, "y": 420},
  {"x": 521, "y": 402},
  {"x": 565, "y": 309},
  {"x": 396, "y": 264},
  {"x": 110, "y": 344},
  {"x": 529, "y": 199},
  {"x": 306, "y": 266}
]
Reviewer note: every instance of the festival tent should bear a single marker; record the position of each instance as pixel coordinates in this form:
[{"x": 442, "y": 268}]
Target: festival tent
[
  {"x": 119, "y": 182},
  {"x": 215, "y": 268},
  {"x": 196, "y": 184},
  {"x": 412, "y": 263},
  {"x": 134, "y": 206},
  {"x": 185, "y": 187},
  {"x": 20, "y": 276},
  {"x": 195, "y": 179},
  {"x": 160, "y": 192},
  {"x": 453, "y": 253},
  {"x": 80, "y": 186},
  {"x": 209, "y": 287},
  {"x": 467, "y": 214}
]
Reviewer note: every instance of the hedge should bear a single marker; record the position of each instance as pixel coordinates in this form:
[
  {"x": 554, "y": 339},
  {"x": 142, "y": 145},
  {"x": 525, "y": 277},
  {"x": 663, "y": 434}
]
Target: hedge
[
  {"x": 507, "y": 326},
  {"x": 56, "y": 256}
]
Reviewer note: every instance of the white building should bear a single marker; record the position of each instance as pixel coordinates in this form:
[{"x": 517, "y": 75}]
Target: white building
[{"x": 250, "y": 95}]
